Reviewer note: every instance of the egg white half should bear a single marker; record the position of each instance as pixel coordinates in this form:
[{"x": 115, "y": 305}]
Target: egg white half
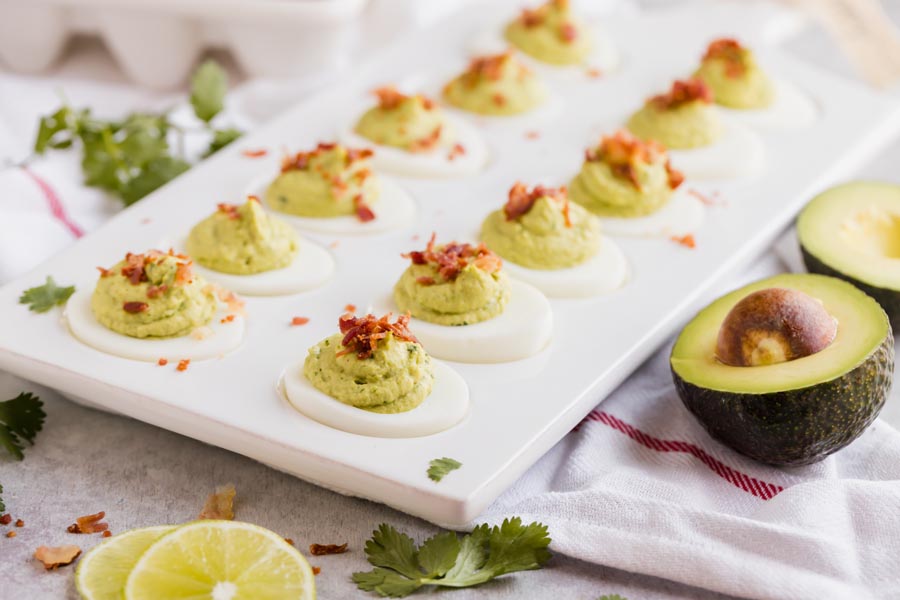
[
  {"x": 605, "y": 272},
  {"x": 438, "y": 162},
  {"x": 682, "y": 214},
  {"x": 219, "y": 339},
  {"x": 311, "y": 267},
  {"x": 394, "y": 209},
  {"x": 739, "y": 152},
  {"x": 791, "y": 109},
  {"x": 523, "y": 329},
  {"x": 447, "y": 405}
]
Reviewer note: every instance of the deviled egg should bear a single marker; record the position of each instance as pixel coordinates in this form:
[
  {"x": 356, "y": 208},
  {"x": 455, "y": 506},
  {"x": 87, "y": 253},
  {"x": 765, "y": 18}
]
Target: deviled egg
[
  {"x": 413, "y": 136},
  {"x": 631, "y": 185},
  {"x": 553, "y": 244},
  {"x": 153, "y": 306},
  {"x": 374, "y": 378},
  {"x": 333, "y": 189},
  {"x": 497, "y": 85},
  {"x": 466, "y": 309},
  {"x": 254, "y": 253},
  {"x": 701, "y": 143},
  {"x": 746, "y": 92}
]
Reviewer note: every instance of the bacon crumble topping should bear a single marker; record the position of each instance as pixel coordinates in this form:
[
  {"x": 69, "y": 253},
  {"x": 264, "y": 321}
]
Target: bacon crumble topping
[
  {"x": 688, "y": 241},
  {"x": 89, "y": 524},
  {"x": 623, "y": 151},
  {"x": 488, "y": 67},
  {"x": 452, "y": 258},
  {"x": 362, "y": 334},
  {"x": 134, "y": 308},
  {"x": 682, "y": 92},
  {"x": 255, "y": 153},
  {"x": 300, "y": 160},
  {"x": 521, "y": 200},
  {"x": 162, "y": 362},
  {"x": 298, "y": 321},
  {"x": 363, "y": 212},
  {"x": 135, "y": 269},
  {"x": 57, "y": 556},
  {"x": 324, "y": 549},
  {"x": 183, "y": 364},
  {"x": 730, "y": 52},
  {"x": 229, "y": 210},
  {"x": 389, "y": 98},
  {"x": 219, "y": 504}
]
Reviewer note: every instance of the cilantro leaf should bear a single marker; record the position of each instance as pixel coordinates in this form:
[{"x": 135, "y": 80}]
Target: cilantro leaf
[
  {"x": 20, "y": 420},
  {"x": 2, "y": 505},
  {"x": 50, "y": 128},
  {"x": 439, "y": 467},
  {"x": 443, "y": 560},
  {"x": 44, "y": 297},
  {"x": 208, "y": 87},
  {"x": 221, "y": 138},
  {"x": 611, "y": 597},
  {"x": 155, "y": 174}
]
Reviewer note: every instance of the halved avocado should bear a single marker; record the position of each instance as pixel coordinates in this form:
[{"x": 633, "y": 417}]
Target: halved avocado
[
  {"x": 852, "y": 231},
  {"x": 799, "y": 411}
]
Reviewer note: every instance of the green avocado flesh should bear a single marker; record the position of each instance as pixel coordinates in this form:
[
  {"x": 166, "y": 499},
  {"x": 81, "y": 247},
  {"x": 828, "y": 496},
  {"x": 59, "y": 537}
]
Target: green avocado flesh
[
  {"x": 852, "y": 231},
  {"x": 795, "y": 412}
]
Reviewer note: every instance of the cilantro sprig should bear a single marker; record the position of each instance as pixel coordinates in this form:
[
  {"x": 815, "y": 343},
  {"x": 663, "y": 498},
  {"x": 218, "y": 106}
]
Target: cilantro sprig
[
  {"x": 445, "y": 560},
  {"x": 439, "y": 467},
  {"x": 44, "y": 297},
  {"x": 20, "y": 420},
  {"x": 131, "y": 157}
]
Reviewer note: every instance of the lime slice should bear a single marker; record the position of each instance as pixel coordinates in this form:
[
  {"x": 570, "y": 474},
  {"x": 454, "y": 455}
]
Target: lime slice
[
  {"x": 101, "y": 574},
  {"x": 221, "y": 560}
]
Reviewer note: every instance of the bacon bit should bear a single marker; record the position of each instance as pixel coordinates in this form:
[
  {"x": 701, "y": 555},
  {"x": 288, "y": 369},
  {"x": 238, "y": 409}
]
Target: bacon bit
[
  {"x": 6, "y": 519},
  {"x": 521, "y": 200},
  {"x": 623, "y": 151},
  {"x": 134, "y": 268},
  {"x": 687, "y": 241},
  {"x": 454, "y": 257},
  {"x": 162, "y": 362},
  {"x": 316, "y": 570},
  {"x": 201, "y": 333},
  {"x": 234, "y": 304},
  {"x": 362, "y": 334},
  {"x": 105, "y": 272},
  {"x": 334, "y": 244},
  {"x": 258, "y": 153},
  {"x": 709, "y": 200},
  {"x": 183, "y": 365},
  {"x": 389, "y": 97},
  {"x": 230, "y": 210},
  {"x": 135, "y": 307},
  {"x": 20, "y": 523},
  {"x": 226, "y": 319},
  {"x": 289, "y": 541},
  {"x": 568, "y": 33},
  {"x": 499, "y": 99},
  {"x": 325, "y": 549},
  {"x": 60, "y": 556},
  {"x": 682, "y": 92},
  {"x": 154, "y": 291},
  {"x": 220, "y": 505},
  {"x": 298, "y": 321},
  {"x": 300, "y": 160},
  {"x": 11, "y": 534},
  {"x": 89, "y": 524},
  {"x": 487, "y": 67},
  {"x": 532, "y": 135},
  {"x": 456, "y": 151},
  {"x": 729, "y": 51},
  {"x": 594, "y": 73},
  {"x": 350, "y": 308},
  {"x": 363, "y": 212},
  {"x": 531, "y": 17},
  {"x": 428, "y": 142},
  {"x": 106, "y": 533}
]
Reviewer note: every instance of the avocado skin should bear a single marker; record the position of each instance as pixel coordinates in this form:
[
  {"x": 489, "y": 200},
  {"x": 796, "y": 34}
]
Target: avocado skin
[
  {"x": 796, "y": 427},
  {"x": 888, "y": 299}
]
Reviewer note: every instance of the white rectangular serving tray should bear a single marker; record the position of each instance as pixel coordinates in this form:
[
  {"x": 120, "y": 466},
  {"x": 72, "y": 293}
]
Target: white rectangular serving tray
[{"x": 519, "y": 410}]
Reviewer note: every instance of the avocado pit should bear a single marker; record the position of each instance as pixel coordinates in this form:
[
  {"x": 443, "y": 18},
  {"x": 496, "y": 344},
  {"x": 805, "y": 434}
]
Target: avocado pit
[{"x": 772, "y": 326}]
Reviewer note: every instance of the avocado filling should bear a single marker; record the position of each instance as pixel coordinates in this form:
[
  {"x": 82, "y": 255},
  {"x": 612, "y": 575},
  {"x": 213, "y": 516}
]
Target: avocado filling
[
  {"x": 682, "y": 118},
  {"x": 734, "y": 76},
  {"x": 540, "y": 229},
  {"x": 496, "y": 85},
  {"x": 372, "y": 364},
  {"x": 411, "y": 123},
  {"x": 454, "y": 284},
  {"x": 625, "y": 177},
  {"x": 242, "y": 240},
  {"x": 153, "y": 295},
  {"x": 329, "y": 181},
  {"x": 550, "y": 34}
]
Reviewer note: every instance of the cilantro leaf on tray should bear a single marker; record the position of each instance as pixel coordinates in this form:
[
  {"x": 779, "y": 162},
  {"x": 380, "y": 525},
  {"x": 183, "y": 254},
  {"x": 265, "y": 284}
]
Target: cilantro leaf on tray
[
  {"x": 444, "y": 560},
  {"x": 44, "y": 297},
  {"x": 20, "y": 420},
  {"x": 208, "y": 87},
  {"x": 439, "y": 467}
]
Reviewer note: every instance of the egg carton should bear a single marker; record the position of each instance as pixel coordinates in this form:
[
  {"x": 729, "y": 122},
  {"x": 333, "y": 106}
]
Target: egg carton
[{"x": 156, "y": 42}]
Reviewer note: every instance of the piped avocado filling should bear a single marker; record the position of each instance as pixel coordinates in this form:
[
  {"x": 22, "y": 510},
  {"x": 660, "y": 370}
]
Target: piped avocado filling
[
  {"x": 540, "y": 229},
  {"x": 550, "y": 33},
  {"x": 372, "y": 364},
  {"x": 734, "y": 76},
  {"x": 625, "y": 177},
  {"x": 682, "y": 118},
  {"x": 496, "y": 85},
  {"x": 454, "y": 284},
  {"x": 411, "y": 123},
  {"x": 242, "y": 240},
  {"x": 153, "y": 295},
  {"x": 329, "y": 181}
]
